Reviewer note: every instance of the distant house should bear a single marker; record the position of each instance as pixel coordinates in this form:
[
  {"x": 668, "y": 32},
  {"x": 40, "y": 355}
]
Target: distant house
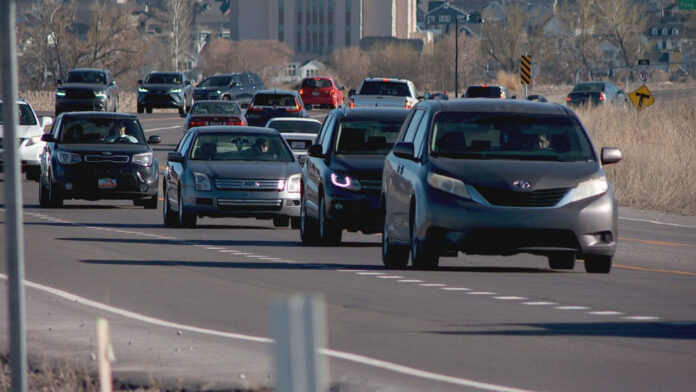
[
  {"x": 295, "y": 71},
  {"x": 442, "y": 16}
]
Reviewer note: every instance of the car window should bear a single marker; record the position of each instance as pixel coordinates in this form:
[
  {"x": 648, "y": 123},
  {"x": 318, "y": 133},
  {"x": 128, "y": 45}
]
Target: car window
[
  {"x": 184, "y": 143},
  {"x": 509, "y": 136},
  {"x": 399, "y": 89},
  {"x": 483, "y": 92},
  {"x": 366, "y": 136},
  {"x": 220, "y": 107},
  {"x": 324, "y": 137},
  {"x": 215, "y": 81},
  {"x": 421, "y": 135},
  {"x": 588, "y": 87},
  {"x": 25, "y": 115},
  {"x": 289, "y": 126},
  {"x": 163, "y": 78},
  {"x": 101, "y": 131},
  {"x": 316, "y": 83},
  {"x": 92, "y": 77},
  {"x": 240, "y": 147},
  {"x": 412, "y": 126},
  {"x": 285, "y": 100}
]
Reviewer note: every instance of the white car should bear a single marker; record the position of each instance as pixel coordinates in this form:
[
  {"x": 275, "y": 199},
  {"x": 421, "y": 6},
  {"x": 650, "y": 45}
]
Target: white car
[
  {"x": 300, "y": 133},
  {"x": 29, "y": 131}
]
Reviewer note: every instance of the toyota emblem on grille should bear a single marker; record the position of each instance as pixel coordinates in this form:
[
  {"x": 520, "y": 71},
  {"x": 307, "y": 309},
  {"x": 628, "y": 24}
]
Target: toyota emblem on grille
[
  {"x": 106, "y": 153},
  {"x": 522, "y": 184}
]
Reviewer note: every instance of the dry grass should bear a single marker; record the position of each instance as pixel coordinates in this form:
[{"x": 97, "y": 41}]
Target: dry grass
[
  {"x": 45, "y": 101},
  {"x": 659, "y": 150}
]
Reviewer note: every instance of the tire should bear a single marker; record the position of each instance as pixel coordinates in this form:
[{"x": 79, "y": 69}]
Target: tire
[
  {"x": 148, "y": 109},
  {"x": 281, "y": 221},
  {"x": 140, "y": 109},
  {"x": 393, "y": 256},
  {"x": 43, "y": 196},
  {"x": 295, "y": 223},
  {"x": 54, "y": 199},
  {"x": 598, "y": 264},
  {"x": 150, "y": 203},
  {"x": 169, "y": 217},
  {"x": 562, "y": 261},
  {"x": 423, "y": 256},
  {"x": 309, "y": 229},
  {"x": 116, "y": 106},
  {"x": 329, "y": 233},
  {"x": 182, "y": 110},
  {"x": 185, "y": 219}
]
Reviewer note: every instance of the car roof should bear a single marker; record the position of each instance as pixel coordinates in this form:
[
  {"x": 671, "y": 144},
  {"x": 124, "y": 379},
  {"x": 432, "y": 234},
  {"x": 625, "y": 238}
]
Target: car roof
[
  {"x": 318, "y": 77},
  {"x": 219, "y": 101},
  {"x": 225, "y": 74},
  {"x": 277, "y": 91},
  {"x": 373, "y": 79},
  {"x": 298, "y": 119},
  {"x": 238, "y": 129},
  {"x": 483, "y": 105},
  {"x": 382, "y": 113},
  {"x": 100, "y": 115},
  {"x": 165, "y": 72}
]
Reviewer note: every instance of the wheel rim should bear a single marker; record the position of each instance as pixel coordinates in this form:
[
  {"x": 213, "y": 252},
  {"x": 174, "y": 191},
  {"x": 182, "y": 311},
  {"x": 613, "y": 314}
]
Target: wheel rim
[{"x": 181, "y": 208}]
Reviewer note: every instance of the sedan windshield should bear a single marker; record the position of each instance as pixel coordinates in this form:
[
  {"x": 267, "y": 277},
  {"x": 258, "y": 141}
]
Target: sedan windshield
[
  {"x": 25, "y": 115},
  {"x": 509, "y": 136},
  {"x": 240, "y": 147},
  {"x": 289, "y": 126},
  {"x": 588, "y": 87},
  {"x": 163, "y": 78},
  {"x": 86, "y": 77},
  {"x": 101, "y": 131},
  {"x": 216, "y": 81},
  {"x": 366, "y": 137},
  {"x": 218, "y": 107}
]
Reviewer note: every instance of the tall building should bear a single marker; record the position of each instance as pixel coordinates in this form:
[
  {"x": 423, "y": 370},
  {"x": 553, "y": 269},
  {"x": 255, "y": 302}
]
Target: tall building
[{"x": 320, "y": 26}]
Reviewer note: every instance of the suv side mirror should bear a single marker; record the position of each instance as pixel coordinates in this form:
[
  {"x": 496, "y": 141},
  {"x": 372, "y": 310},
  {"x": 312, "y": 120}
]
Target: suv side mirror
[
  {"x": 611, "y": 155},
  {"x": 59, "y": 82},
  {"x": 154, "y": 139},
  {"x": 46, "y": 121},
  {"x": 315, "y": 151},
  {"x": 404, "y": 150},
  {"x": 48, "y": 138},
  {"x": 351, "y": 92},
  {"x": 175, "y": 157},
  {"x": 140, "y": 81}
]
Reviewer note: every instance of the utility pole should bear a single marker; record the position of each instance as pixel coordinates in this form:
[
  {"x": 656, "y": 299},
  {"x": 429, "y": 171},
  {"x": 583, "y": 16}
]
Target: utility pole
[
  {"x": 13, "y": 196},
  {"x": 456, "y": 57}
]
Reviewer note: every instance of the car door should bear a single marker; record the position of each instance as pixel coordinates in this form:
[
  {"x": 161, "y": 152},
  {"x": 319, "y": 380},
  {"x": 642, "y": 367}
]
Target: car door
[
  {"x": 316, "y": 168},
  {"x": 174, "y": 171}
]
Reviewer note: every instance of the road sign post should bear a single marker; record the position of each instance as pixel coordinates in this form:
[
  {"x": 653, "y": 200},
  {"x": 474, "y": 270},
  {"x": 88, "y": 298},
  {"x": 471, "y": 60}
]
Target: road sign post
[{"x": 525, "y": 71}]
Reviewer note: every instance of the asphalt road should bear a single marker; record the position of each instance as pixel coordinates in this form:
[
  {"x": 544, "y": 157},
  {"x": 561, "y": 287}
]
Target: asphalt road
[{"x": 191, "y": 307}]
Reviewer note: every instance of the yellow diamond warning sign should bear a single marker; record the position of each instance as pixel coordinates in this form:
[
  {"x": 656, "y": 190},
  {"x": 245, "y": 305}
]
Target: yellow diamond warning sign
[{"x": 641, "y": 97}]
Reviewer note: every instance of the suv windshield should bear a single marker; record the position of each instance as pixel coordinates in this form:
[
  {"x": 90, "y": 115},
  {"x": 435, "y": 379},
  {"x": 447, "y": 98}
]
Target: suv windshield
[
  {"x": 240, "y": 147},
  {"x": 274, "y": 100},
  {"x": 366, "y": 137},
  {"x": 86, "y": 77},
  {"x": 220, "y": 107},
  {"x": 483, "y": 92},
  {"x": 163, "y": 78},
  {"x": 509, "y": 136},
  {"x": 399, "y": 89},
  {"x": 316, "y": 83},
  {"x": 25, "y": 115},
  {"x": 101, "y": 131},
  {"x": 216, "y": 81},
  {"x": 287, "y": 126}
]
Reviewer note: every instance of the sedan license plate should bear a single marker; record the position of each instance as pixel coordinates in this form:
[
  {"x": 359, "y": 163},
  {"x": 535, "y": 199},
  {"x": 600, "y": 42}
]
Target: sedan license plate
[
  {"x": 316, "y": 93},
  {"x": 214, "y": 123},
  {"x": 297, "y": 145},
  {"x": 107, "y": 183}
]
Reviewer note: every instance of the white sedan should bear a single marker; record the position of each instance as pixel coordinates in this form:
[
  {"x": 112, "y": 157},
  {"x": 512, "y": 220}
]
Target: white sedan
[
  {"x": 300, "y": 133},
  {"x": 29, "y": 131}
]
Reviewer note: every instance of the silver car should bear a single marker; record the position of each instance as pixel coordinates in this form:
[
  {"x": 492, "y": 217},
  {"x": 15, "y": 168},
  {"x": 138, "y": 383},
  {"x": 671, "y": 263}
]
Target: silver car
[
  {"x": 231, "y": 171},
  {"x": 300, "y": 133}
]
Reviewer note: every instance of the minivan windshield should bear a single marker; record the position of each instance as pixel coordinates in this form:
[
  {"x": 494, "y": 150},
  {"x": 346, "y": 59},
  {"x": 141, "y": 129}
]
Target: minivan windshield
[
  {"x": 236, "y": 146},
  {"x": 509, "y": 136},
  {"x": 94, "y": 77},
  {"x": 101, "y": 131},
  {"x": 366, "y": 136}
]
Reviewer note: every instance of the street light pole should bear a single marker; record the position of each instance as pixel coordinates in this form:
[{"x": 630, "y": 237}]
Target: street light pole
[{"x": 456, "y": 57}]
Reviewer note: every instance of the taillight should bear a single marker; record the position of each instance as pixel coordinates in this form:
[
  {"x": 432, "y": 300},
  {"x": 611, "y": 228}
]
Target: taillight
[
  {"x": 234, "y": 121},
  {"x": 601, "y": 97},
  {"x": 294, "y": 109},
  {"x": 352, "y": 104},
  {"x": 502, "y": 95},
  {"x": 408, "y": 104},
  {"x": 301, "y": 91},
  {"x": 567, "y": 99},
  {"x": 252, "y": 108},
  {"x": 196, "y": 122}
]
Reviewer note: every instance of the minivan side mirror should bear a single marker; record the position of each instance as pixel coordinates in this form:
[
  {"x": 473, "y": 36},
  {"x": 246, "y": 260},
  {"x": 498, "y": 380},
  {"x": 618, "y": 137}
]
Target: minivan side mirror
[
  {"x": 48, "y": 138},
  {"x": 315, "y": 151},
  {"x": 404, "y": 150},
  {"x": 610, "y": 155},
  {"x": 154, "y": 139},
  {"x": 175, "y": 157}
]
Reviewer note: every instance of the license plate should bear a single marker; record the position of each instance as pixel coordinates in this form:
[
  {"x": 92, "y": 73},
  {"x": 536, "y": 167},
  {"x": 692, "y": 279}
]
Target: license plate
[
  {"x": 316, "y": 93},
  {"x": 297, "y": 145},
  {"x": 107, "y": 183},
  {"x": 214, "y": 123}
]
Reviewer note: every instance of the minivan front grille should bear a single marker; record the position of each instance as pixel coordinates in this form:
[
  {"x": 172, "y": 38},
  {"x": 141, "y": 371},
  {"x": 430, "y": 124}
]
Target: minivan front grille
[
  {"x": 249, "y": 185},
  {"x": 106, "y": 158},
  {"x": 510, "y": 198}
]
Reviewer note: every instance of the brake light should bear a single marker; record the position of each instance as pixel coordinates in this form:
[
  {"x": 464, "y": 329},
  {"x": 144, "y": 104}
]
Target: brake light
[
  {"x": 196, "y": 122},
  {"x": 301, "y": 91},
  {"x": 251, "y": 108},
  {"x": 567, "y": 99},
  {"x": 234, "y": 121},
  {"x": 317, "y": 78},
  {"x": 408, "y": 104},
  {"x": 352, "y": 104},
  {"x": 484, "y": 85},
  {"x": 502, "y": 95},
  {"x": 295, "y": 109},
  {"x": 385, "y": 80},
  {"x": 601, "y": 97}
]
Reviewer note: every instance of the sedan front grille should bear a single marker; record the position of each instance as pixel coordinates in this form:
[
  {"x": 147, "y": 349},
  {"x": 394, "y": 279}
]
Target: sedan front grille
[
  {"x": 249, "y": 185},
  {"x": 77, "y": 93},
  {"x": 106, "y": 158},
  {"x": 510, "y": 198},
  {"x": 371, "y": 184}
]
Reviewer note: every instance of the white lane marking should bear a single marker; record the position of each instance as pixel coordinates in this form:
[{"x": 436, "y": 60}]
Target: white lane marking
[
  {"x": 538, "y": 303},
  {"x": 350, "y": 270},
  {"x": 410, "y": 281},
  {"x": 432, "y": 285},
  {"x": 480, "y": 293},
  {"x": 510, "y": 298},
  {"x": 332, "y": 353},
  {"x": 642, "y": 318},
  {"x": 162, "y": 128},
  {"x": 370, "y": 273},
  {"x": 606, "y": 313},
  {"x": 456, "y": 288},
  {"x": 572, "y": 307},
  {"x": 657, "y": 222},
  {"x": 228, "y": 251},
  {"x": 252, "y": 256},
  {"x": 215, "y": 248},
  {"x": 390, "y": 277},
  {"x": 243, "y": 254}
]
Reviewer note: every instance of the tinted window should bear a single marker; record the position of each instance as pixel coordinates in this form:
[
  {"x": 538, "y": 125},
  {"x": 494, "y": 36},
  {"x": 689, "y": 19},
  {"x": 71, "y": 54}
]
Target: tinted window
[
  {"x": 316, "y": 83},
  {"x": 412, "y": 126},
  {"x": 216, "y": 108},
  {"x": 421, "y": 135},
  {"x": 509, "y": 136},
  {"x": 288, "y": 126},
  {"x": 101, "y": 131},
  {"x": 324, "y": 139},
  {"x": 25, "y": 115},
  {"x": 483, "y": 92},
  {"x": 184, "y": 143},
  {"x": 240, "y": 147},
  {"x": 366, "y": 137},
  {"x": 274, "y": 100},
  {"x": 399, "y": 89},
  {"x": 588, "y": 87},
  {"x": 216, "y": 81},
  {"x": 163, "y": 78},
  {"x": 86, "y": 77}
]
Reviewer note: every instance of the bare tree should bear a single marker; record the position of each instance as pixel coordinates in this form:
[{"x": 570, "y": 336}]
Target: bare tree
[
  {"x": 179, "y": 18},
  {"x": 622, "y": 24},
  {"x": 439, "y": 63},
  {"x": 397, "y": 60},
  {"x": 263, "y": 57},
  {"x": 505, "y": 40},
  {"x": 576, "y": 38},
  {"x": 350, "y": 65}
]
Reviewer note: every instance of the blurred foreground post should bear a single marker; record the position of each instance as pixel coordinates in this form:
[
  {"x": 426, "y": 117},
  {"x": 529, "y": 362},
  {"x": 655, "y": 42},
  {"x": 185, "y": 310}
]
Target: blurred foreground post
[
  {"x": 299, "y": 330},
  {"x": 13, "y": 197},
  {"x": 105, "y": 355}
]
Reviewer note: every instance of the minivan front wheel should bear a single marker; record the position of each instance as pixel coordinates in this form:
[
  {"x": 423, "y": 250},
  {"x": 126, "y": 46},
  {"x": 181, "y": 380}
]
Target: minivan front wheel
[
  {"x": 329, "y": 233},
  {"x": 393, "y": 256},
  {"x": 423, "y": 255},
  {"x": 309, "y": 230},
  {"x": 597, "y": 264}
]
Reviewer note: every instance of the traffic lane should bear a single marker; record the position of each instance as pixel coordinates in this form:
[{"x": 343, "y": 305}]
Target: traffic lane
[{"x": 399, "y": 306}]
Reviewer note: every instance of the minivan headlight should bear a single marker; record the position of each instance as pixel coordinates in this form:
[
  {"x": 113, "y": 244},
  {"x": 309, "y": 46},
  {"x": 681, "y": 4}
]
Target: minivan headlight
[
  {"x": 202, "y": 182},
  {"x": 144, "y": 159},
  {"x": 294, "y": 183},
  {"x": 68, "y": 158},
  {"x": 448, "y": 184},
  {"x": 100, "y": 94},
  {"x": 345, "y": 181},
  {"x": 589, "y": 188}
]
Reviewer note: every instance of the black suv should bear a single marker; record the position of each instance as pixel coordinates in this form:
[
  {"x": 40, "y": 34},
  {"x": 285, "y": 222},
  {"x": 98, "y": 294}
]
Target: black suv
[
  {"x": 269, "y": 104},
  {"x": 239, "y": 87},
  {"x": 95, "y": 156},
  {"x": 342, "y": 177},
  {"x": 165, "y": 90},
  {"x": 87, "y": 89}
]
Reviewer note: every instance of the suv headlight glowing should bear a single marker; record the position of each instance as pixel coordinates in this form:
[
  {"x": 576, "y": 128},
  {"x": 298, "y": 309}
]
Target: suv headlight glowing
[
  {"x": 448, "y": 184},
  {"x": 100, "y": 94},
  {"x": 142, "y": 90},
  {"x": 202, "y": 182},
  {"x": 60, "y": 93},
  {"x": 294, "y": 183},
  {"x": 144, "y": 159},
  {"x": 175, "y": 90},
  {"x": 68, "y": 158},
  {"x": 589, "y": 188},
  {"x": 345, "y": 181}
]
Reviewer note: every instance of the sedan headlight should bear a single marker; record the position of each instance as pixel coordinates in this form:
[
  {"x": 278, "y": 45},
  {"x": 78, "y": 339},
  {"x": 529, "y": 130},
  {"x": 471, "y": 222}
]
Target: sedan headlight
[
  {"x": 175, "y": 90},
  {"x": 142, "y": 90},
  {"x": 60, "y": 93},
  {"x": 294, "y": 183},
  {"x": 202, "y": 182},
  {"x": 144, "y": 159},
  {"x": 100, "y": 94},
  {"x": 68, "y": 158},
  {"x": 589, "y": 188},
  {"x": 448, "y": 184},
  {"x": 345, "y": 181},
  {"x": 33, "y": 140}
]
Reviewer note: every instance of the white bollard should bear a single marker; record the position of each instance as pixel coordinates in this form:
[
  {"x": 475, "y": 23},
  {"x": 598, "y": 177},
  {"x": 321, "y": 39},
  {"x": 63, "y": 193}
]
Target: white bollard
[{"x": 105, "y": 355}]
